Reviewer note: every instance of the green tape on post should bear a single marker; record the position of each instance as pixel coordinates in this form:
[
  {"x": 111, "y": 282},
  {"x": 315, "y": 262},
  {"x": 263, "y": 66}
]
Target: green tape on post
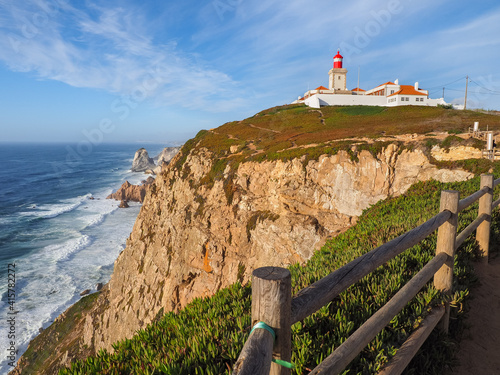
[
  {"x": 263, "y": 325},
  {"x": 284, "y": 363}
]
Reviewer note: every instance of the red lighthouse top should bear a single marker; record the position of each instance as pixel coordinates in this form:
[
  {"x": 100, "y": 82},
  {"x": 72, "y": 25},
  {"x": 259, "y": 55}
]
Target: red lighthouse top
[{"x": 337, "y": 61}]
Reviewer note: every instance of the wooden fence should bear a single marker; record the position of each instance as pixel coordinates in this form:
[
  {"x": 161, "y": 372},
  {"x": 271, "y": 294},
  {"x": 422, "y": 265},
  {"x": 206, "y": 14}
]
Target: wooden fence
[{"x": 273, "y": 304}]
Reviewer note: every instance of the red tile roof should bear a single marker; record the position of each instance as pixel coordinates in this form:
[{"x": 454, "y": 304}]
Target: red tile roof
[
  {"x": 383, "y": 84},
  {"x": 321, "y": 88},
  {"x": 357, "y": 89},
  {"x": 407, "y": 90}
]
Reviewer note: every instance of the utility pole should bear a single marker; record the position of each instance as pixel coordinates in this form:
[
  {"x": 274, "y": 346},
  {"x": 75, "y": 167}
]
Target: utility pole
[
  {"x": 466, "y": 86},
  {"x": 443, "y": 92},
  {"x": 358, "y": 78}
]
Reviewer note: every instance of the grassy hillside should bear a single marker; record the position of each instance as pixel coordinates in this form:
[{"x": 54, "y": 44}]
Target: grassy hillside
[
  {"x": 296, "y": 131},
  {"x": 207, "y": 336},
  {"x": 281, "y": 128}
]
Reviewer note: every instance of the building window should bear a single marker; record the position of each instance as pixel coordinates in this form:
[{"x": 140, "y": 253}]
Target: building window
[
  {"x": 392, "y": 92},
  {"x": 339, "y": 77}
]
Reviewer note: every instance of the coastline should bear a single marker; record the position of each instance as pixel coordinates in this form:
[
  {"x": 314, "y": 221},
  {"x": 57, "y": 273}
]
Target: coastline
[{"x": 76, "y": 235}]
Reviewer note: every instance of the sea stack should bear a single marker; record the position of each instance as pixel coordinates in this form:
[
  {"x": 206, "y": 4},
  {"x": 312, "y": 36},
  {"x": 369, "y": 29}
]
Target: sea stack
[
  {"x": 142, "y": 162},
  {"x": 128, "y": 192}
]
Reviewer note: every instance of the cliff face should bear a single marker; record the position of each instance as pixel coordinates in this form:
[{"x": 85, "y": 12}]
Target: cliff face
[
  {"x": 192, "y": 238},
  {"x": 196, "y": 234}
]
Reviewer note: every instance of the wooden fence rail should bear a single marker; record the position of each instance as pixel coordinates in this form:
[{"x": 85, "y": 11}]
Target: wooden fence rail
[{"x": 272, "y": 302}]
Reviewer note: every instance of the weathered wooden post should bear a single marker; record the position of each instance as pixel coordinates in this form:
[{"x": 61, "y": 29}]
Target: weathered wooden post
[
  {"x": 447, "y": 233},
  {"x": 271, "y": 304},
  {"x": 271, "y": 308},
  {"x": 483, "y": 230}
]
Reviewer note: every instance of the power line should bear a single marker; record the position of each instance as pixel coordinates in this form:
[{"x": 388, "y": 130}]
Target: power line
[
  {"x": 475, "y": 92},
  {"x": 485, "y": 88},
  {"x": 451, "y": 83},
  {"x": 455, "y": 90}
]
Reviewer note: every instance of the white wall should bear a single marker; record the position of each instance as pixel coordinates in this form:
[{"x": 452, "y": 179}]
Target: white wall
[
  {"x": 339, "y": 99},
  {"x": 317, "y": 100}
]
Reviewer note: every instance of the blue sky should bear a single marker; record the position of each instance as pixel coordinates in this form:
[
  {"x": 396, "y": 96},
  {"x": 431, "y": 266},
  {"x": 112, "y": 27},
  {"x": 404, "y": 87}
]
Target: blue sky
[{"x": 159, "y": 71}]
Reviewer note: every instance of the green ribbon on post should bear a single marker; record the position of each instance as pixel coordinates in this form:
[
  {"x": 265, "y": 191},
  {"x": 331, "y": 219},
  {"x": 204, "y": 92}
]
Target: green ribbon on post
[{"x": 262, "y": 325}]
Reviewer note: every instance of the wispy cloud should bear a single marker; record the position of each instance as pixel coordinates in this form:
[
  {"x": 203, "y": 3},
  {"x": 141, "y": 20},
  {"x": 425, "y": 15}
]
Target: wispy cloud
[
  {"x": 104, "y": 48},
  {"x": 188, "y": 56}
]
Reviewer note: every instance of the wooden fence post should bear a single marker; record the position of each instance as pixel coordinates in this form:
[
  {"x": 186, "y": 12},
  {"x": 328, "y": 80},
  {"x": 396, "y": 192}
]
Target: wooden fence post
[
  {"x": 483, "y": 231},
  {"x": 447, "y": 233},
  {"x": 271, "y": 304}
]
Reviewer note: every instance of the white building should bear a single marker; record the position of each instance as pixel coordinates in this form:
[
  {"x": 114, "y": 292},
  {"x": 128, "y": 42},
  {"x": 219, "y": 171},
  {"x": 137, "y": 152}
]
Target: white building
[{"x": 389, "y": 94}]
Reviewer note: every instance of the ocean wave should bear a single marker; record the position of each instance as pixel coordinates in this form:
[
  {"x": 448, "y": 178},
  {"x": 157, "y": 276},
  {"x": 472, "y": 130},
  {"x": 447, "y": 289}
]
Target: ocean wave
[
  {"x": 95, "y": 211},
  {"x": 62, "y": 246},
  {"x": 59, "y": 252},
  {"x": 95, "y": 220},
  {"x": 48, "y": 211}
]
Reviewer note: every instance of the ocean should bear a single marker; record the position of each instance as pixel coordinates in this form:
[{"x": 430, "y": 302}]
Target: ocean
[{"x": 58, "y": 233}]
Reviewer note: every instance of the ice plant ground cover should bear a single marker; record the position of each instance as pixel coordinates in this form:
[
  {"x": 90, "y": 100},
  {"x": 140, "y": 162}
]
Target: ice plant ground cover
[{"x": 207, "y": 336}]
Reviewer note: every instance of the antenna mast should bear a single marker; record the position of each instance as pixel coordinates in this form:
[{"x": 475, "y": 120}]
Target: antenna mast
[
  {"x": 466, "y": 86},
  {"x": 358, "y": 77}
]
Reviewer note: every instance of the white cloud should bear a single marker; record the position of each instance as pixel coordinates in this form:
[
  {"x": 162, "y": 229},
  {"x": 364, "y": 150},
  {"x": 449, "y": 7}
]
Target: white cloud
[
  {"x": 255, "y": 51},
  {"x": 110, "y": 50}
]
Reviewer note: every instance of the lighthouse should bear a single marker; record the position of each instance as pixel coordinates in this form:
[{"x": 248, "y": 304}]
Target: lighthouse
[
  {"x": 337, "y": 61},
  {"x": 338, "y": 80}
]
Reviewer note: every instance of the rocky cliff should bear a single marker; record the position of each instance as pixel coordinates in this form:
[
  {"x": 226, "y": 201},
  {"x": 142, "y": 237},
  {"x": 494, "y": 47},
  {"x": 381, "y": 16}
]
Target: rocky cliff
[
  {"x": 213, "y": 215},
  {"x": 166, "y": 155},
  {"x": 191, "y": 239}
]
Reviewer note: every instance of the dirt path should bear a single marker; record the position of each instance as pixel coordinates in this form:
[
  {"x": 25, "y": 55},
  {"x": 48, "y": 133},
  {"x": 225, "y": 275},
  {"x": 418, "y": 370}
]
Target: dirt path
[{"x": 480, "y": 346}]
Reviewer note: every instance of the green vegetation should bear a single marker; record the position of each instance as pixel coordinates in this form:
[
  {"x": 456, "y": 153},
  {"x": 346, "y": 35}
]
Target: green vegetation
[
  {"x": 43, "y": 346},
  {"x": 296, "y": 131},
  {"x": 207, "y": 336},
  {"x": 361, "y": 110}
]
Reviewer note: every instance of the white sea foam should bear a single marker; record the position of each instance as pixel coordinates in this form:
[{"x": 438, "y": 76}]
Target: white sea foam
[
  {"x": 95, "y": 211},
  {"x": 64, "y": 250},
  {"x": 72, "y": 249},
  {"x": 51, "y": 278},
  {"x": 48, "y": 211}
]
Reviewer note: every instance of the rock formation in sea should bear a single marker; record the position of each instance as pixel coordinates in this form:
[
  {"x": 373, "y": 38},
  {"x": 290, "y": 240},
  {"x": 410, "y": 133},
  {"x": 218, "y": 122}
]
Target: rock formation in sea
[
  {"x": 124, "y": 204},
  {"x": 134, "y": 193},
  {"x": 166, "y": 155},
  {"x": 142, "y": 162}
]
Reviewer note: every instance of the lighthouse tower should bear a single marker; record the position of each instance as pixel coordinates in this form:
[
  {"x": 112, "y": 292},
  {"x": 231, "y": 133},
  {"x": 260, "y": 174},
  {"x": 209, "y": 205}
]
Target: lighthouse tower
[{"x": 338, "y": 80}]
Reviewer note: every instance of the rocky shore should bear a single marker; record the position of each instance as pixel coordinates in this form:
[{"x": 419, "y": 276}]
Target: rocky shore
[
  {"x": 143, "y": 163},
  {"x": 135, "y": 193}
]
